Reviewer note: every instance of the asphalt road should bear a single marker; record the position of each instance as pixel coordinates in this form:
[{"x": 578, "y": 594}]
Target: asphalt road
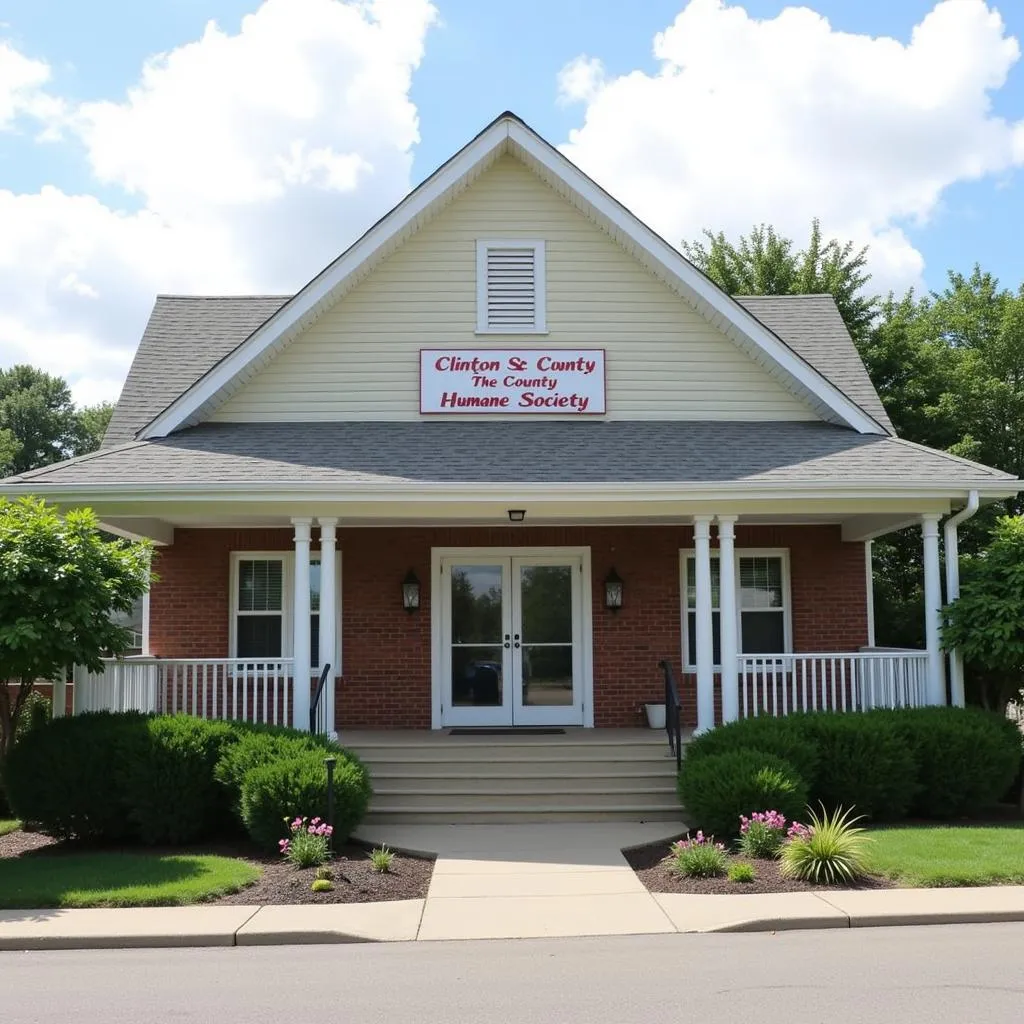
[{"x": 970, "y": 974}]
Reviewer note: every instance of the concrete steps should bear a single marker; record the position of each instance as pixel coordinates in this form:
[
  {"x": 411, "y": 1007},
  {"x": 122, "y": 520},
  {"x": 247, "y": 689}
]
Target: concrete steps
[{"x": 585, "y": 775}]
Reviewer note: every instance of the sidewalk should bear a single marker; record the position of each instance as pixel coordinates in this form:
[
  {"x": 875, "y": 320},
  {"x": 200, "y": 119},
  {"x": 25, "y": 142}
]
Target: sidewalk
[{"x": 496, "y": 882}]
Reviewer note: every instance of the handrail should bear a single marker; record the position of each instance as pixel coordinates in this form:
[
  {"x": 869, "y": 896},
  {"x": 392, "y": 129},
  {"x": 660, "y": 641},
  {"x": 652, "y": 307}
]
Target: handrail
[
  {"x": 315, "y": 703},
  {"x": 673, "y": 713}
]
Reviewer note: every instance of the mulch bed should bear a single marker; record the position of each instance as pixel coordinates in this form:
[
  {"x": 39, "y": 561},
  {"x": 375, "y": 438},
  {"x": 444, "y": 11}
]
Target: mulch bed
[
  {"x": 354, "y": 879},
  {"x": 648, "y": 863}
]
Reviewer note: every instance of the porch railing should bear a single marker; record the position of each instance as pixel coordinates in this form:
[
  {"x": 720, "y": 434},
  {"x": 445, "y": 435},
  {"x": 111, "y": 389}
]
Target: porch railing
[
  {"x": 778, "y": 684},
  {"x": 236, "y": 689}
]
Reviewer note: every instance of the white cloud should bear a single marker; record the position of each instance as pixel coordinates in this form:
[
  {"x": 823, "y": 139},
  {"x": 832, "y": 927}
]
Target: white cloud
[
  {"x": 580, "y": 79},
  {"x": 254, "y": 159},
  {"x": 779, "y": 120}
]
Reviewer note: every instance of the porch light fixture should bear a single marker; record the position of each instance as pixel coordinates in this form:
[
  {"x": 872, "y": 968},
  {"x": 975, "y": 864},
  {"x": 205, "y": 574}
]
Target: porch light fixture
[
  {"x": 516, "y": 515},
  {"x": 613, "y": 590},
  {"x": 411, "y": 592}
]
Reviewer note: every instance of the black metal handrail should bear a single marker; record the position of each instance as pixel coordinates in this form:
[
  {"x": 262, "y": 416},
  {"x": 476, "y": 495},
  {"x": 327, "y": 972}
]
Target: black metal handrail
[
  {"x": 315, "y": 703},
  {"x": 673, "y": 713}
]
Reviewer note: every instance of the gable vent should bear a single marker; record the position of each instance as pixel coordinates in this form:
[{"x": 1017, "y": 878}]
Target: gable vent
[{"x": 510, "y": 287}]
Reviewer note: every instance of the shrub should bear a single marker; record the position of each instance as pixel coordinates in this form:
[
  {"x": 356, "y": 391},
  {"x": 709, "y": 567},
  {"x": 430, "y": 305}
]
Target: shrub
[
  {"x": 834, "y": 851},
  {"x": 742, "y": 873},
  {"x": 717, "y": 789},
  {"x": 863, "y": 762},
  {"x": 965, "y": 758},
  {"x": 309, "y": 845},
  {"x": 70, "y": 778},
  {"x": 761, "y": 834},
  {"x": 779, "y": 736},
  {"x": 260, "y": 745},
  {"x": 700, "y": 857},
  {"x": 274, "y": 794},
  {"x": 322, "y": 885},
  {"x": 171, "y": 792}
]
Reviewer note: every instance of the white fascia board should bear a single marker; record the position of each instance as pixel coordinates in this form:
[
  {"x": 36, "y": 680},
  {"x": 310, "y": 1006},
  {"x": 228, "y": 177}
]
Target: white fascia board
[
  {"x": 292, "y": 316},
  {"x": 698, "y": 287}
]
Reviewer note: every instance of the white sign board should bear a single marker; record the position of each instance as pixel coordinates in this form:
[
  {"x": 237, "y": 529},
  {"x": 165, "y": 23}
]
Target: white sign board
[{"x": 505, "y": 381}]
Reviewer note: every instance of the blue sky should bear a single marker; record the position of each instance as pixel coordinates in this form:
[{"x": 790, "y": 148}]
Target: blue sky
[{"x": 476, "y": 60}]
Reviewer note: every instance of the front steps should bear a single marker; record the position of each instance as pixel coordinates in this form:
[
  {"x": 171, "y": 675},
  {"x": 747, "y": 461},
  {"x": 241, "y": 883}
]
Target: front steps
[{"x": 584, "y": 775}]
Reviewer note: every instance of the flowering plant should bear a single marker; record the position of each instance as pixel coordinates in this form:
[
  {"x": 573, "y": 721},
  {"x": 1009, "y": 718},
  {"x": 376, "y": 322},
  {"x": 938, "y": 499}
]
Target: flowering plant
[
  {"x": 762, "y": 833},
  {"x": 310, "y": 842},
  {"x": 697, "y": 857},
  {"x": 798, "y": 831}
]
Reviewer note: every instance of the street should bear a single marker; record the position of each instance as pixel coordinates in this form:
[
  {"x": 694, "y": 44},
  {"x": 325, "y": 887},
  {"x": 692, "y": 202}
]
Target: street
[{"x": 968, "y": 973}]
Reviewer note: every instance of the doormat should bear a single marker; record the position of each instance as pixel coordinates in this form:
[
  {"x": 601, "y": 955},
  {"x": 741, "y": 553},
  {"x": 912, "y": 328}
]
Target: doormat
[{"x": 523, "y": 731}]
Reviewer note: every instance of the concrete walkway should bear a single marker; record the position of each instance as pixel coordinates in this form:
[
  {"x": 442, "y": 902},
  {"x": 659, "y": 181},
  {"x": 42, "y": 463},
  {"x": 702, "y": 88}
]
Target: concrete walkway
[{"x": 500, "y": 882}]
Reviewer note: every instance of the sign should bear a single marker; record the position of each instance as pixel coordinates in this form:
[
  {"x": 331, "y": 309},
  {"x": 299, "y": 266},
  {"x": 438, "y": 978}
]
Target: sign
[{"x": 505, "y": 381}]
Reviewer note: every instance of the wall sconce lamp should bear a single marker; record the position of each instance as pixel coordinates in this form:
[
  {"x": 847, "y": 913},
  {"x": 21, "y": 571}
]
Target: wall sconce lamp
[
  {"x": 516, "y": 515},
  {"x": 613, "y": 590},
  {"x": 411, "y": 592}
]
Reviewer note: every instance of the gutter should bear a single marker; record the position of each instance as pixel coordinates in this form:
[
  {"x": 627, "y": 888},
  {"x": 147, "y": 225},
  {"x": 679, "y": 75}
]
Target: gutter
[{"x": 952, "y": 545}]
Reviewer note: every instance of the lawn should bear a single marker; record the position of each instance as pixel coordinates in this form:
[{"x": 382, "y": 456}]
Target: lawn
[
  {"x": 949, "y": 855},
  {"x": 8, "y": 825},
  {"x": 119, "y": 879}
]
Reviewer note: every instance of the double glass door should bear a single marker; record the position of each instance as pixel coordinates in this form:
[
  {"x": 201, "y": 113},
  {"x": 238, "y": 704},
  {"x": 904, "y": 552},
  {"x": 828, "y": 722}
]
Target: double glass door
[{"x": 511, "y": 640}]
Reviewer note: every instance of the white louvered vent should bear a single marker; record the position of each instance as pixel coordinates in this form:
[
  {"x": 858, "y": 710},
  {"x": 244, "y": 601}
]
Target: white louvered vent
[{"x": 510, "y": 287}]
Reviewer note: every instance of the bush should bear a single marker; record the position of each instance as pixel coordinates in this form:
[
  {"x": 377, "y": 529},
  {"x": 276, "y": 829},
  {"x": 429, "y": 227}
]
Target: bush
[
  {"x": 761, "y": 834},
  {"x": 831, "y": 851},
  {"x": 700, "y": 857},
  {"x": 71, "y": 777},
  {"x": 717, "y": 789},
  {"x": 778, "y": 736},
  {"x": 309, "y": 845},
  {"x": 742, "y": 873},
  {"x": 259, "y": 745},
  {"x": 863, "y": 762},
  {"x": 276, "y": 793},
  {"x": 965, "y": 758},
  {"x": 172, "y": 794}
]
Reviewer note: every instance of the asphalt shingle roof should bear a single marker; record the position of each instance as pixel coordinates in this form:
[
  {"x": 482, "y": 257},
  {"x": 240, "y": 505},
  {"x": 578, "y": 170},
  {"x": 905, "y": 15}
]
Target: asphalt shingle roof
[
  {"x": 187, "y": 335},
  {"x": 547, "y": 451}
]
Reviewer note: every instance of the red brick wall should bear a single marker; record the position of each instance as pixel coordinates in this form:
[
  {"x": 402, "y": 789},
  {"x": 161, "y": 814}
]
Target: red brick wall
[{"x": 386, "y": 650}]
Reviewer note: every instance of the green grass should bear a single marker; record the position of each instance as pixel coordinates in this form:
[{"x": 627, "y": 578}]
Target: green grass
[
  {"x": 119, "y": 879},
  {"x": 949, "y": 855},
  {"x": 8, "y": 825}
]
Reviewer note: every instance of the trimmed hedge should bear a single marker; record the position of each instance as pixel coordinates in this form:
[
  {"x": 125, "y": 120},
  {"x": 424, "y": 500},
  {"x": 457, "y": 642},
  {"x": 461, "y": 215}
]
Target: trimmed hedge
[
  {"x": 717, "y": 788},
  {"x": 276, "y": 792},
  {"x": 172, "y": 779},
  {"x": 935, "y": 762}
]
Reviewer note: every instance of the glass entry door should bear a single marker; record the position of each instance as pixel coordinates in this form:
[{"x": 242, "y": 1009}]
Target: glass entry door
[{"x": 511, "y": 640}]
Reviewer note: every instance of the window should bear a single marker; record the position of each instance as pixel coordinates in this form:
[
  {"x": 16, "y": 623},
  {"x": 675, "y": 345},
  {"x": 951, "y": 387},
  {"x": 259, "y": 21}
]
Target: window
[
  {"x": 510, "y": 287},
  {"x": 763, "y": 606},
  {"x": 261, "y": 607}
]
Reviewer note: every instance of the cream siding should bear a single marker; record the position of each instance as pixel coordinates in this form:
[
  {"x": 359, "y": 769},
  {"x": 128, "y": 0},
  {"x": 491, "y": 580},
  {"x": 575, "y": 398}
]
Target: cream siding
[{"x": 360, "y": 360}]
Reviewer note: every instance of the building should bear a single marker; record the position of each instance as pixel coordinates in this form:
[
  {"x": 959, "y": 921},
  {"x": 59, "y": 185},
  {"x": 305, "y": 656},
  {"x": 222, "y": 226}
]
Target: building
[{"x": 499, "y": 459}]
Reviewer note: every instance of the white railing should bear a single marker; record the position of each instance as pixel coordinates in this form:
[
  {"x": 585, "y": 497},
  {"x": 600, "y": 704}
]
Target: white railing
[
  {"x": 778, "y": 684},
  {"x": 227, "y": 688}
]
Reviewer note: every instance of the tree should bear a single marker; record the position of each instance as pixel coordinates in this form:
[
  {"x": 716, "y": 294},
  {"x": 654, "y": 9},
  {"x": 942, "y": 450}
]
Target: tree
[
  {"x": 986, "y": 622},
  {"x": 765, "y": 263},
  {"x": 37, "y": 409},
  {"x": 93, "y": 421},
  {"x": 61, "y": 583}
]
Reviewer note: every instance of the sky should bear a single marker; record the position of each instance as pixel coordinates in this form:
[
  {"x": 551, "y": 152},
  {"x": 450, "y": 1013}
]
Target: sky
[{"x": 234, "y": 146}]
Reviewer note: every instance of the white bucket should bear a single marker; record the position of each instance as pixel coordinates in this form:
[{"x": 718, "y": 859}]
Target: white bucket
[{"x": 655, "y": 715}]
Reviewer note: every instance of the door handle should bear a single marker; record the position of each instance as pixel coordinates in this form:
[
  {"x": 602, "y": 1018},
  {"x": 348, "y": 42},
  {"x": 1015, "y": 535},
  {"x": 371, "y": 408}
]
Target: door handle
[
  {"x": 506, "y": 642},
  {"x": 517, "y": 639}
]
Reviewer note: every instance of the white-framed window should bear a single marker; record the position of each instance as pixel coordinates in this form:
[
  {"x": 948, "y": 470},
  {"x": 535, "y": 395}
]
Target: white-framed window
[
  {"x": 261, "y": 606},
  {"x": 764, "y": 609},
  {"x": 510, "y": 286}
]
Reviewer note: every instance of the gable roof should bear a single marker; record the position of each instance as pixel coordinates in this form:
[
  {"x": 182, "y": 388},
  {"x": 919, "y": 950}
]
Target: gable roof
[
  {"x": 509, "y": 134},
  {"x": 187, "y": 335}
]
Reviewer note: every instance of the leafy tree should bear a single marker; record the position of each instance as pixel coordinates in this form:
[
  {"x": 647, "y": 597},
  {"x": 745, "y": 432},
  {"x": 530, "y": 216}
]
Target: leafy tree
[
  {"x": 986, "y": 622},
  {"x": 765, "y": 263},
  {"x": 37, "y": 409},
  {"x": 93, "y": 421},
  {"x": 60, "y": 584}
]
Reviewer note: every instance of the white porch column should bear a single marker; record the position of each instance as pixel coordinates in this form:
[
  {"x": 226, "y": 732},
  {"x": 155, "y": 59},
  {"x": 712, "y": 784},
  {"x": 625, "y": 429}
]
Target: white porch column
[
  {"x": 933, "y": 608},
  {"x": 952, "y": 548},
  {"x": 60, "y": 695},
  {"x": 727, "y": 617},
  {"x": 705, "y": 654},
  {"x": 300, "y": 626},
  {"x": 869, "y": 593},
  {"x": 328, "y": 619}
]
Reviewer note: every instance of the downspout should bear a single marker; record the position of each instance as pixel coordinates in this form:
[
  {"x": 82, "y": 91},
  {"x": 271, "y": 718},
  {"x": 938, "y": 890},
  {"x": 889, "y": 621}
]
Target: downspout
[{"x": 952, "y": 546}]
